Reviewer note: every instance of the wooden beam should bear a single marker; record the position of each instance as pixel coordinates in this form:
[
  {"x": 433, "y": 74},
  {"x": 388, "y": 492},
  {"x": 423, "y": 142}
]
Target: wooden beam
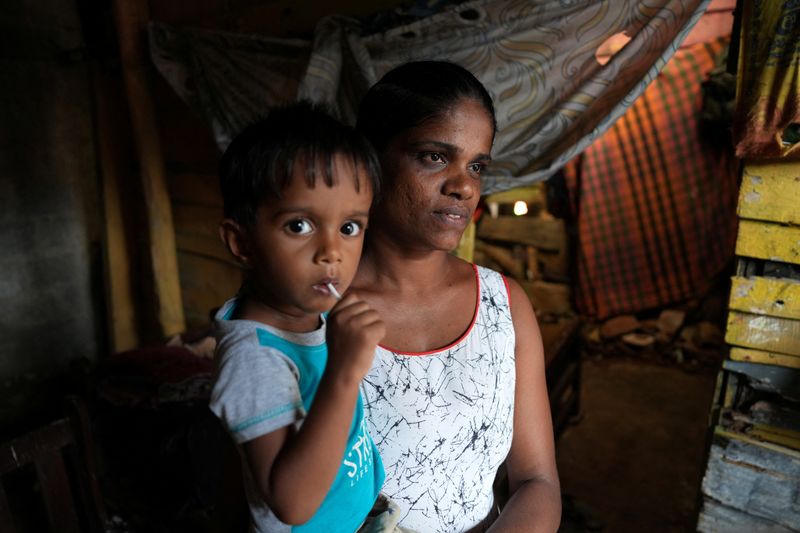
[
  {"x": 548, "y": 298},
  {"x": 764, "y": 240},
  {"x": 121, "y": 320},
  {"x": 206, "y": 284},
  {"x": 195, "y": 189},
  {"x": 750, "y": 355},
  {"x": 755, "y": 477},
  {"x": 541, "y": 233},
  {"x": 503, "y": 257},
  {"x": 207, "y": 247},
  {"x": 771, "y": 192},
  {"x": 531, "y": 195},
  {"x": 766, "y": 296},
  {"x": 466, "y": 245},
  {"x": 771, "y": 334},
  {"x": 131, "y": 19},
  {"x": 769, "y": 378}
]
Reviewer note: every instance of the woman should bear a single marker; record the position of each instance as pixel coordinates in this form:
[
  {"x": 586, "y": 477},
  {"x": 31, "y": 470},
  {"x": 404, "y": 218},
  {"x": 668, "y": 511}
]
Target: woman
[{"x": 457, "y": 387}]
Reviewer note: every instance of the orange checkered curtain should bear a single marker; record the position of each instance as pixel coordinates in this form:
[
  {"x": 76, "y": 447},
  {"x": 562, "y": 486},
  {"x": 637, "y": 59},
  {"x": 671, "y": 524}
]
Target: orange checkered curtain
[{"x": 655, "y": 202}]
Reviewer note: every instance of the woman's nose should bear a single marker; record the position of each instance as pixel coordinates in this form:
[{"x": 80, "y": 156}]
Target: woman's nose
[{"x": 460, "y": 184}]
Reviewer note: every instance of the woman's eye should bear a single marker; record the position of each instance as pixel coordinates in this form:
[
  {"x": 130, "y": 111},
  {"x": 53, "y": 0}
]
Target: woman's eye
[
  {"x": 477, "y": 168},
  {"x": 299, "y": 227},
  {"x": 433, "y": 157},
  {"x": 351, "y": 229}
]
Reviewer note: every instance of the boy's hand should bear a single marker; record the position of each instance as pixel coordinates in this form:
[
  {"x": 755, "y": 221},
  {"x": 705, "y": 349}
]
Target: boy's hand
[{"x": 354, "y": 329}]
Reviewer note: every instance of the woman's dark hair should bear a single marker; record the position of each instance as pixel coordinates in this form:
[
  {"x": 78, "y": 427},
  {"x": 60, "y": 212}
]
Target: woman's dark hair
[
  {"x": 414, "y": 92},
  {"x": 260, "y": 162}
]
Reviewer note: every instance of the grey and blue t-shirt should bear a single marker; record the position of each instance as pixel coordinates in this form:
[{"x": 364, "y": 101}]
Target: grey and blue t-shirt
[{"x": 266, "y": 379}]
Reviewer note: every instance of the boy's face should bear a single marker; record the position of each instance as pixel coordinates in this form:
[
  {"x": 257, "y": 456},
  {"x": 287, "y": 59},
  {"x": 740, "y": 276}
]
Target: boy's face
[{"x": 308, "y": 238}]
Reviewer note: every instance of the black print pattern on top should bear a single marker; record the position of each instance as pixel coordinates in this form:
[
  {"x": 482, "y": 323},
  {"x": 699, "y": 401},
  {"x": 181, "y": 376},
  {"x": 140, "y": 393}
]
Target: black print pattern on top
[{"x": 443, "y": 422}]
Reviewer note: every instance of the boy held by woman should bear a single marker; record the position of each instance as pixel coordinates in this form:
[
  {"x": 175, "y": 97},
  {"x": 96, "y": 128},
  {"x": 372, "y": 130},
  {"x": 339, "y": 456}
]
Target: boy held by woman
[{"x": 297, "y": 187}]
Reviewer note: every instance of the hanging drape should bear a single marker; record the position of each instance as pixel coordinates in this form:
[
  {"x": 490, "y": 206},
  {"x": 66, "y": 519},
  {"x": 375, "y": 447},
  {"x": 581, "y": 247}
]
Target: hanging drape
[
  {"x": 538, "y": 59},
  {"x": 654, "y": 198}
]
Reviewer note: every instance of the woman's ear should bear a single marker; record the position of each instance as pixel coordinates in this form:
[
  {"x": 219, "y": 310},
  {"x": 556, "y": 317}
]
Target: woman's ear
[{"x": 236, "y": 240}]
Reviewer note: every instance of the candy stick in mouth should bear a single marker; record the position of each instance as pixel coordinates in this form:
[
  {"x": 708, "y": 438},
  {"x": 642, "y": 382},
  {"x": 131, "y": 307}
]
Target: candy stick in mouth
[{"x": 333, "y": 291}]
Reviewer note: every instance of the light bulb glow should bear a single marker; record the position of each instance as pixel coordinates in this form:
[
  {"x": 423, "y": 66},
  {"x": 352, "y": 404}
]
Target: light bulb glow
[{"x": 520, "y": 208}]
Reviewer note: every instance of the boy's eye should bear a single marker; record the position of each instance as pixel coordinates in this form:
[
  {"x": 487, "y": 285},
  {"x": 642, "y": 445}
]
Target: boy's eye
[
  {"x": 350, "y": 228},
  {"x": 299, "y": 226}
]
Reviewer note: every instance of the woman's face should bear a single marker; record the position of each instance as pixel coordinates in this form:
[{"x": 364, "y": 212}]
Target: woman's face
[{"x": 432, "y": 176}]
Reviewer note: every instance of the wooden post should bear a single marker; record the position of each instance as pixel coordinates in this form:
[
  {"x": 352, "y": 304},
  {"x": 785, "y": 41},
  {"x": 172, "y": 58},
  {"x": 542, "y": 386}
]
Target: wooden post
[
  {"x": 131, "y": 18},
  {"x": 121, "y": 310}
]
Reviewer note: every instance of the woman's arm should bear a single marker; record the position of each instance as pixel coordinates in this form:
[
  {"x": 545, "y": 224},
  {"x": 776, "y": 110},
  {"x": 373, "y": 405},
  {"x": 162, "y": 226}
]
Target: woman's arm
[{"x": 535, "y": 503}]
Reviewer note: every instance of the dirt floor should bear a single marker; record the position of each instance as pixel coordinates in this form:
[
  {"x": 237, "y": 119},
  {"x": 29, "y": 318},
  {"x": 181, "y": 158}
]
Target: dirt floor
[{"x": 634, "y": 459}]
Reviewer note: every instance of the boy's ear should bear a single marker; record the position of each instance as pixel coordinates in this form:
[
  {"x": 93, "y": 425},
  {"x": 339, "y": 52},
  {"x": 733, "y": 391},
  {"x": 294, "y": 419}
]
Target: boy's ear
[{"x": 236, "y": 240}]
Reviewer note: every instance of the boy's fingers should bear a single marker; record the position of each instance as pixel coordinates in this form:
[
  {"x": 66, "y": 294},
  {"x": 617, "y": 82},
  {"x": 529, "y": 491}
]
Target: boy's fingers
[
  {"x": 360, "y": 318},
  {"x": 349, "y": 310},
  {"x": 346, "y": 301}
]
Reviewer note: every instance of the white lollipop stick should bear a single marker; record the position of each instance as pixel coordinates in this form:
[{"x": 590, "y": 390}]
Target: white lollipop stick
[{"x": 333, "y": 291}]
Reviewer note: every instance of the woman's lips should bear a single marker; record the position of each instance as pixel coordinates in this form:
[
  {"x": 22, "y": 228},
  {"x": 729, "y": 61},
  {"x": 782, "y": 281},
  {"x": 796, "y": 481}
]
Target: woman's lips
[{"x": 455, "y": 215}]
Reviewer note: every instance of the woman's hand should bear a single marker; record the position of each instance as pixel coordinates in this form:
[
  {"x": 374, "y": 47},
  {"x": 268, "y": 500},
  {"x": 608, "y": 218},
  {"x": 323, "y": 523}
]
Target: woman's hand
[{"x": 354, "y": 330}]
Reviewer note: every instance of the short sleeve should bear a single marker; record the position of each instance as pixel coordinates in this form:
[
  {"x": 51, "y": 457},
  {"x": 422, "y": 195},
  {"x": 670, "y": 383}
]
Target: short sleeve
[{"x": 256, "y": 392}]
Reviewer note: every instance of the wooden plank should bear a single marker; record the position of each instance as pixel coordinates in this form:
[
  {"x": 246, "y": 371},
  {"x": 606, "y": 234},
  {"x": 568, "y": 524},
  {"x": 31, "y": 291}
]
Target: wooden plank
[
  {"x": 766, "y": 296},
  {"x": 764, "y": 240},
  {"x": 757, "y": 478},
  {"x": 554, "y": 265},
  {"x": 548, "y": 298},
  {"x": 198, "y": 220},
  {"x": 205, "y": 246},
  {"x": 6, "y": 518},
  {"x": 121, "y": 319},
  {"x": 531, "y": 195},
  {"x": 532, "y": 270},
  {"x": 504, "y": 257},
  {"x": 717, "y": 518},
  {"x": 775, "y": 379},
  {"x": 771, "y": 192},
  {"x": 23, "y": 450},
  {"x": 131, "y": 18},
  {"x": 726, "y": 435},
  {"x": 194, "y": 189},
  {"x": 770, "y": 334},
  {"x": 56, "y": 491},
  {"x": 542, "y": 233},
  {"x": 206, "y": 284},
  {"x": 767, "y": 358},
  {"x": 782, "y": 436},
  {"x": 557, "y": 339},
  {"x": 775, "y": 413},
  {"x": 466, "y": 245}
]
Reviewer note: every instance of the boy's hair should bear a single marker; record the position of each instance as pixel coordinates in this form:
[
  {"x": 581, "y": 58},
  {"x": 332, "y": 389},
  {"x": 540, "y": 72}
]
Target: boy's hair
[
  {"x": 414, "y": 92},
  {"x": 259, "y": 163}
]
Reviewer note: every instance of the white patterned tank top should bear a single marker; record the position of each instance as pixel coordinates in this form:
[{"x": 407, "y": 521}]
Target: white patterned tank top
[{"x": 443, "y": 420}]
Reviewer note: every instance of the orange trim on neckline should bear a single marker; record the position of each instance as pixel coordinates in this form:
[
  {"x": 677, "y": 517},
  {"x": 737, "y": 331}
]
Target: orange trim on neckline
[{"x": 463, "y": 335}]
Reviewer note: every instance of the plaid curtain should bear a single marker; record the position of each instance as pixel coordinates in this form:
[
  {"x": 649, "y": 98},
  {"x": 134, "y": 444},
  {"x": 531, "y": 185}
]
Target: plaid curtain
[{"x": 655, "y": 203}]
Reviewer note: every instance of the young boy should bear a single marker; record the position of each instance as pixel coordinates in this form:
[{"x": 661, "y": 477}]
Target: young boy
[{"x": 297, "y": 187}]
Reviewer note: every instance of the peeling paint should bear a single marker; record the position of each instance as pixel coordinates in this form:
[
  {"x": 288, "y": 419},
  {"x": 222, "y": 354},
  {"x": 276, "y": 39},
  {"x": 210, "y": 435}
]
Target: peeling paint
[{"x": 752, "y": 197}]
